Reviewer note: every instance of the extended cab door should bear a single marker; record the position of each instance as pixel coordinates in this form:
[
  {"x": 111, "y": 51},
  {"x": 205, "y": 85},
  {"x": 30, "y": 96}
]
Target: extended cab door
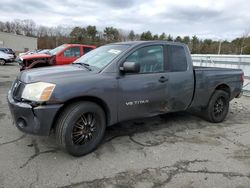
[
  {"x": 143, "y": 94},
  {"x": 180, "y": 77},
  {"x": 68, "y": 56}
]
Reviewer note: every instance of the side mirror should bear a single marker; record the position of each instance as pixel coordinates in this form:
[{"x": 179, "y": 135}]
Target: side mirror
[{"x": 130, "y": 67}]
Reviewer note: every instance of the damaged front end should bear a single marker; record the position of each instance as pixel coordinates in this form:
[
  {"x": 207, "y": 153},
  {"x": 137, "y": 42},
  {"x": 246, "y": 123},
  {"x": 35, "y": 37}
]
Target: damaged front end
[
  {"x": 30, "y": 63},
  {"x": 30, "y": 117}
]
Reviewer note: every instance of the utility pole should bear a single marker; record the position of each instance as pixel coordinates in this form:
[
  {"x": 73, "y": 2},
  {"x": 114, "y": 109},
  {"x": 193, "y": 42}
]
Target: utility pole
[
  {"x": 241, "y": 49},
  {"x": 219, "y": 50},
  {"x": 56, "y": 41}
]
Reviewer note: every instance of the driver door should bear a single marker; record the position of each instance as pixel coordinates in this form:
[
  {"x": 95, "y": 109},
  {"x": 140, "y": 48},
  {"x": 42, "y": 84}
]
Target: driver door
[{"x": 144, "y": 94}]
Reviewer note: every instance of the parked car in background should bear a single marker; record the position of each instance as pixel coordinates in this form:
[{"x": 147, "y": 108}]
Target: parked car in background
[
  {"x": 8, "y": 51},
  {"x": 39, "y": 51},
  {"x": 64, "y": 54},
  {"x": 6, "y": 58},
  {"x": 29, "y": 52}
]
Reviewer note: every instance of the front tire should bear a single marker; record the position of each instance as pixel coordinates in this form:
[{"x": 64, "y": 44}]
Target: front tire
[
  {"x": 218, "y": 107},
  {"x": 81, "y": 128},
  {"x": 2, "y": 62}
]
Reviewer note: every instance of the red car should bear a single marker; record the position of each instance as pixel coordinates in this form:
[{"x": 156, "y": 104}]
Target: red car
[{"x": 61, "y": 55}]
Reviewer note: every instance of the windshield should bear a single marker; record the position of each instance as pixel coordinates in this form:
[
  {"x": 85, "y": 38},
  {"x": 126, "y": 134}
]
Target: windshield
[
  {"x": 102, "y": 56},
  {"x": 43, "y": 51},
  {"x": 57, "y": 49}
]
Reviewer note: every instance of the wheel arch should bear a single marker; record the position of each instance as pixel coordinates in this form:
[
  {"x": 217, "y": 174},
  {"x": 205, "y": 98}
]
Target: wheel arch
[
  {"x": 3, "y": 59},
  {"x": 93, "y": 99},
  {"x": 224, "y": 87}
]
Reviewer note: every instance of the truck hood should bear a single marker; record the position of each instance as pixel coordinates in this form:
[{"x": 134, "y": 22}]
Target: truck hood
[
  {"x": 35, "y": 56},
  {"x": 55, "y": 74}
]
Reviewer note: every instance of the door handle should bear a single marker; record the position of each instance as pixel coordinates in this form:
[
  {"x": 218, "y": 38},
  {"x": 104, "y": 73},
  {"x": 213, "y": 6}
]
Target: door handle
[{"x": 163, "y": 79}]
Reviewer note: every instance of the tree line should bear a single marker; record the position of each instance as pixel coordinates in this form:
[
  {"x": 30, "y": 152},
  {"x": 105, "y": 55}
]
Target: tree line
[{"x": 50, "y": 37}]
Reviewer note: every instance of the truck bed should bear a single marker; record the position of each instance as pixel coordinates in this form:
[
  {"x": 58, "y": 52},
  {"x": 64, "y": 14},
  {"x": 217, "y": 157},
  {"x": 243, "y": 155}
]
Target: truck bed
[
  {"x": 199, "y": 68},
  {"x": 207, "y": 79}
]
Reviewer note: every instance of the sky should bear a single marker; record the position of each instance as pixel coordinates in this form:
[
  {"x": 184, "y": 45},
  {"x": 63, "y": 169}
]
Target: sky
[{"x": 215, "y": 19}]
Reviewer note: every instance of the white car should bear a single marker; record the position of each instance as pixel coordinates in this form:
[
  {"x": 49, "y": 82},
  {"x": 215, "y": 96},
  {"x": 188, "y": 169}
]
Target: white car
[
  {"x": 28, "y": 53},
  {"x": 5, "y": 58}
]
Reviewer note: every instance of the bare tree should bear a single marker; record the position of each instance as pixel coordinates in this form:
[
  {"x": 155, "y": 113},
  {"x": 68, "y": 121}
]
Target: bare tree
[{"x": 2, "y": 26}]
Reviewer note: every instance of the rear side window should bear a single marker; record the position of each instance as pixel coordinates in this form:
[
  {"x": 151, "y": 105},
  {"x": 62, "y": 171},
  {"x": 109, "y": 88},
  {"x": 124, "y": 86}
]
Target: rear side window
[
  {"x": 72, "y": 52},
  {"x": 87, "y": 49},
  {"x": 4, "y": 50},
  {"x": 176, "y": 58}
]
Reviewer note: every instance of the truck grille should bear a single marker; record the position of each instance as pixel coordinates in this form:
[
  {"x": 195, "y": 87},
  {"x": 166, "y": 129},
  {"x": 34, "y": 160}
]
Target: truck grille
[{"x": 17, "y": 90}]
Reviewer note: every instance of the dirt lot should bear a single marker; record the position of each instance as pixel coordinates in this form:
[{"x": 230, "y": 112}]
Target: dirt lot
[{"x": 177, "y": 150}]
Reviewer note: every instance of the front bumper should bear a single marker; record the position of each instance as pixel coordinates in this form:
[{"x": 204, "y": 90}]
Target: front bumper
[
  {"x": 33, "y": 120},
  {"x": 10, "y": 60}
]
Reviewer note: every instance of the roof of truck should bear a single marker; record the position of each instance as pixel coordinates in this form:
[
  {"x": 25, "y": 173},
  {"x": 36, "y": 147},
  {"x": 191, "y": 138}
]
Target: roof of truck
[{"x": 132, "y": 43}]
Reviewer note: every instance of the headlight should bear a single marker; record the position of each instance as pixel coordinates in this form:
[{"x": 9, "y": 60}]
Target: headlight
[{"x": 39, "y": 92}]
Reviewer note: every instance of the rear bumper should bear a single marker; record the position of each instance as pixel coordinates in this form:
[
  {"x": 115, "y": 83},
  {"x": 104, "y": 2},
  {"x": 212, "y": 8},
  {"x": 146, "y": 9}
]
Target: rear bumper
[{"x": 33, "y": 120}]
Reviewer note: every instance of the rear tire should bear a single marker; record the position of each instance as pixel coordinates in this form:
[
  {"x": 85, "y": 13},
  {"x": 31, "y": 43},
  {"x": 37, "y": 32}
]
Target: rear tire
[
  {"x": 80, "y": 128},
  {"x": 218, "y": 107},
  {"x": 2, "y": 62}
]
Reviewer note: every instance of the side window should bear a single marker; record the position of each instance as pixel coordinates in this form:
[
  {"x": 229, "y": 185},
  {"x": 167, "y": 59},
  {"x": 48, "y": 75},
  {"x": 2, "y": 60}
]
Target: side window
[
  {"x": 87, "y": 49},
  {"x": 176, "y": 58},
  {"x": 72, "y": 52},
  {"x": 150, "y": 59}
]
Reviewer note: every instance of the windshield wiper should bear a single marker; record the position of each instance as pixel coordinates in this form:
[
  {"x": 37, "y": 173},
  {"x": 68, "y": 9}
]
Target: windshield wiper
[{"x": 86, "y": 65}]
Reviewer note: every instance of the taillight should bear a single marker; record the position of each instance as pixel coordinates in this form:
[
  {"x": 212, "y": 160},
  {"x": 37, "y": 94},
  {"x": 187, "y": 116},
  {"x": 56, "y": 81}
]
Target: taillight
[{"x": 242, "y": 77}]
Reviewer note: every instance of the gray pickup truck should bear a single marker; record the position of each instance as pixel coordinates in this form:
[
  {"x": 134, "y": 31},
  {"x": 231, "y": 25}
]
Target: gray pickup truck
[{"x": 114, "y": 83}]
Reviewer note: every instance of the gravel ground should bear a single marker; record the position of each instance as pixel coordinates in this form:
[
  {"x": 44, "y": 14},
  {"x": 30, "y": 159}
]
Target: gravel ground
[{"x": 177, "y": 150}]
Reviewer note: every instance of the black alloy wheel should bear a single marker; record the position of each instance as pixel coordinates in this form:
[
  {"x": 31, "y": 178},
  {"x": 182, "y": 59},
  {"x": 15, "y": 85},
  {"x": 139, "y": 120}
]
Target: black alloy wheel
[
  {"x": 84, "y": 129},
  {"x": 219, "y": 106}
]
